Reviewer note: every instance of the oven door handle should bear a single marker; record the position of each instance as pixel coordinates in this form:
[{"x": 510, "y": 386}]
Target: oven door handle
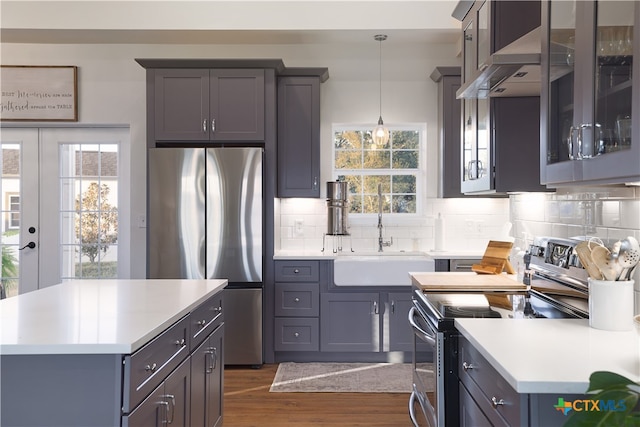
[{"x": 424, "y": 335}]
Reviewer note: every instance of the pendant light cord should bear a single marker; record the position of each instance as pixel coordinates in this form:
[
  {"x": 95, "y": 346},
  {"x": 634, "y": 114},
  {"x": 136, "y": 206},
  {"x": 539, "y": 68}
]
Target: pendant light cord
[{"x": 380, "y": 38}]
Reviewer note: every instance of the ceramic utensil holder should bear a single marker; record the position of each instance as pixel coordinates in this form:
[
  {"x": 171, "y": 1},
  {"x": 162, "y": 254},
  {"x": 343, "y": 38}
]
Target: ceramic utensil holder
[{"x": 611, "y": 305}]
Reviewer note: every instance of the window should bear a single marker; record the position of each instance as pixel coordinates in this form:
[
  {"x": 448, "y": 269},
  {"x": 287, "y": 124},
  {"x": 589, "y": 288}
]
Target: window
[
  {"x": 89, "y": 210},
  {"x": 396, "y": 168}
]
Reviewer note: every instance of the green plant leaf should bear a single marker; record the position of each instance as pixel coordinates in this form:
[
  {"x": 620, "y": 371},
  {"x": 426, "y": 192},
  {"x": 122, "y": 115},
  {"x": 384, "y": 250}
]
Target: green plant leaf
[{"x": 602, "y": 380}]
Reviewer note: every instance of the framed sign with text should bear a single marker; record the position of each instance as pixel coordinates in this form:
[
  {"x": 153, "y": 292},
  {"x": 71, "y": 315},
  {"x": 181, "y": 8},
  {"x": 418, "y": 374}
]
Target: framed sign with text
[{"x": 39, "y": 93}]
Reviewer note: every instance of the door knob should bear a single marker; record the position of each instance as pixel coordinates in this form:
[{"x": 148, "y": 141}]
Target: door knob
[
  {"x": 32, "y": 230},
  {"x": 30, "y": 245}
]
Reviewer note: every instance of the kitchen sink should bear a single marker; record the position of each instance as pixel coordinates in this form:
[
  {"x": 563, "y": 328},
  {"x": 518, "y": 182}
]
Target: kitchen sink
[{"x": 379, "y": 269}]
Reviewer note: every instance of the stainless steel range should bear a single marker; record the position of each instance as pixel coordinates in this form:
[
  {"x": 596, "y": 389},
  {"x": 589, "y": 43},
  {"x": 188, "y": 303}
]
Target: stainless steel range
[{"x": 556, "y": 288}]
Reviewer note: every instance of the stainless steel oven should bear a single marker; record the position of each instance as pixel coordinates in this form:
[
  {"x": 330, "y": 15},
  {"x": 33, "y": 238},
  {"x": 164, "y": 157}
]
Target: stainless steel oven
[{"x": 557, "y": 289}]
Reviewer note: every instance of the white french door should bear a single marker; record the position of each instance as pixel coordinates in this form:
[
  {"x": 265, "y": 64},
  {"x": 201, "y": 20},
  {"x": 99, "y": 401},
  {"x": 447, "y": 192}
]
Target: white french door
[{"x": 60, "y": 205}]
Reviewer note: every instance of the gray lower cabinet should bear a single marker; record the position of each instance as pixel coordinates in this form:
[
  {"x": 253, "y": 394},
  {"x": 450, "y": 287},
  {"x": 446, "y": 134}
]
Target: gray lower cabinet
[
  {"x": 297, "y": 306},
  {"x": 365, "y": 322},
  {"x": 400, "y": 334},
  {"x": 350, "y": 321},
  {"x": 207, "y": 365}
]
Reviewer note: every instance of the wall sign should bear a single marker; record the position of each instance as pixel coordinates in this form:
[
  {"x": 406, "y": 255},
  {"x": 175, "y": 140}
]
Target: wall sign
[{"x": 39, "y": 93}]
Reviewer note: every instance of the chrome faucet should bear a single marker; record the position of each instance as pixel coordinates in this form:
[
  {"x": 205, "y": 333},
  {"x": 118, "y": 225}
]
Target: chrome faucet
[{"x": 381, "y": 242}]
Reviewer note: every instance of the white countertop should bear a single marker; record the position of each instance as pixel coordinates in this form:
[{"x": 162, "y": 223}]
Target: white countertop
[
  {"x": 552, "y": 355},
  {"x": 97, "y": 316},
  {"x": 328, "y": 254}
]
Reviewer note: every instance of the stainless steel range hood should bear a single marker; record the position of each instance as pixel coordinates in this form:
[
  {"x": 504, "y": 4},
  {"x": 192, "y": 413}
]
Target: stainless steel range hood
[{"x": 511, "y": 71}]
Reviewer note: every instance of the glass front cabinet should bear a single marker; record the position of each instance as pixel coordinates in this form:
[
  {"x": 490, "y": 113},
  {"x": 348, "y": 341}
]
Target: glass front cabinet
[{"x": 590, "y": 92}]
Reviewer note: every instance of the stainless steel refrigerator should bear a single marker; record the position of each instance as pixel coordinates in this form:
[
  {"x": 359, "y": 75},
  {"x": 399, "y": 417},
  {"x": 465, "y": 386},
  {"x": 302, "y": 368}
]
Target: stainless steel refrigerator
[{"x": 205, "y": 220}]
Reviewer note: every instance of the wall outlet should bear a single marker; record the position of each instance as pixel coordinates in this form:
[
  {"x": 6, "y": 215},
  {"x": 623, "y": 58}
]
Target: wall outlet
[{"x": 297, "y": 228}]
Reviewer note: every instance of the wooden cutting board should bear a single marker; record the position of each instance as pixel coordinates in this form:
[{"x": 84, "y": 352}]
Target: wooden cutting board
[
  {"x": 495, "y": 259},
  {"x": 465, "y": 281}
]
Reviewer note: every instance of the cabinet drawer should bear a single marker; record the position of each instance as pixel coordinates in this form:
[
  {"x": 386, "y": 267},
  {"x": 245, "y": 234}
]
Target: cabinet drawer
[
  {"x": 297, "y": 271},
  {"x": 149, "y": 366},
  {"x": 297, "y": 334},
  {"x": 297, "y": 299},
  {"x": 476, "y": 373},
  {"x": 205, "y": 319}
]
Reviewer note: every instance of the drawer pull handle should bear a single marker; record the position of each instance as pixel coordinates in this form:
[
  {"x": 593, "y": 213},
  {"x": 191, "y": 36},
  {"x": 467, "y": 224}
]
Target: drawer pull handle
[
  {"x": 151, "y": 367},
  {"x": 201, "y": 323},
  {"x": 217, "y": 309},
  {"x": 296, "y": 334},
  {"x": 296, "y": 299},
  {"x": 296, "y": 271},
  {"x": 467, "y": 366},
  {"x": 497, "y": 402},
  {"x": 180, "y": 342}
]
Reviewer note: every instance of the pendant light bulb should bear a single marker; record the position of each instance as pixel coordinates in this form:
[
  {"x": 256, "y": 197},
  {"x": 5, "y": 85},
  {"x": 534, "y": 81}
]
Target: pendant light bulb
[{"x": 380, "y": 134}]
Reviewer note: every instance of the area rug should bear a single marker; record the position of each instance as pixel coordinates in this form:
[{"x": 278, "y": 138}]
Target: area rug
[{"x": 343, "y": 378}]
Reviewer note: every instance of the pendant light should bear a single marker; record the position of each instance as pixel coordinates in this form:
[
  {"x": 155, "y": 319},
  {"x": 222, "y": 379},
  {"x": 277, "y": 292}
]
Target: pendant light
[{"x": 380, "y": 134}]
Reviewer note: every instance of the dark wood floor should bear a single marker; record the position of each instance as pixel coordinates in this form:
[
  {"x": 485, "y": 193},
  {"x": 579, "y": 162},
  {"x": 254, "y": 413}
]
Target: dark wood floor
[{"x": 248, "y": 403}]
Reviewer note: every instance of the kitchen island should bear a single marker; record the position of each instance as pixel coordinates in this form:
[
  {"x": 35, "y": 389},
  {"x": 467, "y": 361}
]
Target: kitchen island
[{"x": 112, "y": 352}]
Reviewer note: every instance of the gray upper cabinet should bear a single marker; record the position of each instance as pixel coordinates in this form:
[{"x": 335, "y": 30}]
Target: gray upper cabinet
[
  {"x": 449, "y": 119},
  {"x": 222, "y": 105},
  {"x": 590, "y": 93},
  {"x": 499, "y": 136},
  {"x": 299, "y": 136}
]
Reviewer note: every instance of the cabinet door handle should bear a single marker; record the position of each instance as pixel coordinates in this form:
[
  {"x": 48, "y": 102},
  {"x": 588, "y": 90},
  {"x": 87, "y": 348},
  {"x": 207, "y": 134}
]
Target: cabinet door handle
[
  {"x": 315, "y": 182},
  {"x": 201, "y": 323},
  {"x": 296, "y": 299},
  {"x": 152, "y": 367},
  {"x": 213, "y": 353},
  {"x": 296, "y": 271},
  {"x": 165, "y": 405},
  {"x": 467, "y": 366},
  {"x": 180, "y": 342},
  {"x": 296, "y": 334},
  {"x": 213, "y": 125},
  {"x": 495, "y": 402},
  {"x": 204, "y": 126},
  {"x": 375, "y": 307},
  {"x": 170, "y": 406},
  {"x": 393, "y": 307}
]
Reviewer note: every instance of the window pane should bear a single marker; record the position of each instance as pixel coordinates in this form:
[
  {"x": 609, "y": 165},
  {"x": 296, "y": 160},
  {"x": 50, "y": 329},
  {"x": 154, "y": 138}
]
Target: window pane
[
  {"x": 371, "y": 183},
  {"x": 348, "y": 160},
  {"x": 405, "y": 160},
  {"x": 377, "y": 159},
  {"x": 404, "y": 204},
  {"x": 348, "y": 140},
  {"x": 404, "y": 184},
  {"x": 405, "y": 140}
]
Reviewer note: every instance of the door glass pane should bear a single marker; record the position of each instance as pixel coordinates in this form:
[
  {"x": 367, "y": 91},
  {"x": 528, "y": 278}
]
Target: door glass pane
[
  {"x": 614, "y": 54},
  {"x": 469, "y": 134},
  {"x": 89, "y": 210},
  {"x": 561, "y": 79},
  {"x": 483, "y": 137},
  {"x": 469, "y": 64},
  {"x": 10, "y": 190},
  {"x": 484, "y": 48}
]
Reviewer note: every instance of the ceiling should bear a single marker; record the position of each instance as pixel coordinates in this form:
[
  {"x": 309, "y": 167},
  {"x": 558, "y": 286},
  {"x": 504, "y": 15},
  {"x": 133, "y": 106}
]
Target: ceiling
[{"x": 227, "y": 22}]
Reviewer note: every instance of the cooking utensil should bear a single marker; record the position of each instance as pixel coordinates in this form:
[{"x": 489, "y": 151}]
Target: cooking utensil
[
  {"x": 628, "y": 257},
  {"x": 601, "y": 257},
  {"x": 584, "y": 255}
]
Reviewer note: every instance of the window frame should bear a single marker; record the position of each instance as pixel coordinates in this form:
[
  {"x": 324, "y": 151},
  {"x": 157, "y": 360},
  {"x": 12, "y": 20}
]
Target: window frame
[{"x": 420, "y": 173}]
